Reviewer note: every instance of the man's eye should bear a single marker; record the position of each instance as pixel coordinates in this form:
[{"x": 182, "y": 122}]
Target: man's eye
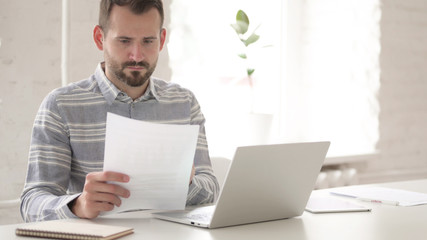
[
  {"x": 124, "y": 40},
  {"x": 148, "y": 41}
]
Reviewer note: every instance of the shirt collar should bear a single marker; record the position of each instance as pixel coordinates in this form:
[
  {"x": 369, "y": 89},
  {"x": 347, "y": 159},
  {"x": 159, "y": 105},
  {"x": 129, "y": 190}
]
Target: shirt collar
[
  {"x": 111, "y": 92},
  {"x": 152, "y": 90}
]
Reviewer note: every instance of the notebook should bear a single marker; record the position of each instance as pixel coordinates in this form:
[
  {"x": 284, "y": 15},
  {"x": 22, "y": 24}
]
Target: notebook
[
  {"x": 72, "y": 229},
  {"x": 263, "y": 183},
  {"x": 333, "y": 205}
]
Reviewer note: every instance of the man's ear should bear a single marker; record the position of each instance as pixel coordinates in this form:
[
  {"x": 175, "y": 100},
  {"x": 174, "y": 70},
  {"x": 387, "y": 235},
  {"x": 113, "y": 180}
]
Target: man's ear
[
  {"x": 162, "y": 38},
  {"x": 98, "y": 37}
]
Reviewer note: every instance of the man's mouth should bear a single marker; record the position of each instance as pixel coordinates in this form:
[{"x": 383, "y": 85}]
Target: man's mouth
[{"x": 135, "y": 68}]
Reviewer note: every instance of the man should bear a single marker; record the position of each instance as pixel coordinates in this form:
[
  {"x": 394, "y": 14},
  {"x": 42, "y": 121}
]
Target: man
[{"x": 65, "y": 177}]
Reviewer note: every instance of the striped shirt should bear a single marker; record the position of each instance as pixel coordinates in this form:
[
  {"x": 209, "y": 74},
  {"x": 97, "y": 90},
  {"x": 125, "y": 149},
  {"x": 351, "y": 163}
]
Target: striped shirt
[{"x": 69, "y": 135}]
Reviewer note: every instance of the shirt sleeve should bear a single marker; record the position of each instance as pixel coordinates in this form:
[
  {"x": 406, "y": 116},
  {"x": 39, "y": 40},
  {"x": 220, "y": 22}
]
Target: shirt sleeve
[
  {"x": 204, "y": 188},
  {"x": 45, "y": 192}
]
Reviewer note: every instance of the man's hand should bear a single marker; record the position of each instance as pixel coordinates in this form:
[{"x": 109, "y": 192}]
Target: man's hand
[{"x": 98, "y": 195}]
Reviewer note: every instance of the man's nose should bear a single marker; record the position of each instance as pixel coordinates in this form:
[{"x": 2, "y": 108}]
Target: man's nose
[{"x": 136, "y": 53}]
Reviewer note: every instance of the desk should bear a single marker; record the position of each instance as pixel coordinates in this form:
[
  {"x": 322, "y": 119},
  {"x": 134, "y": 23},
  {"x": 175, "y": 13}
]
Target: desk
[{"x": 384, "y": 222}]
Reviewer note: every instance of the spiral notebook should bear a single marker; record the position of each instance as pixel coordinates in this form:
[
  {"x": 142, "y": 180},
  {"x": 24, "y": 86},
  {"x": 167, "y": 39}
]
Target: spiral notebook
[{"x": 72, "y": 229}]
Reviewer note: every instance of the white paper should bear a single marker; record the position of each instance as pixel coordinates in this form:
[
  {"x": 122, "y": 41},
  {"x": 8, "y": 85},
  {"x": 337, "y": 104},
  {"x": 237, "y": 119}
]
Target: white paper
[
  {"x": 402, "y": 197},
  {"x": 157, "y": 157}
]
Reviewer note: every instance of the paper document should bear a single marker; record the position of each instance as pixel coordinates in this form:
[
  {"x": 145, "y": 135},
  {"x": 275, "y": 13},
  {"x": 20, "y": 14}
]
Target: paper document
[
  {"x": 157, "y": 157},
  {"x": 383, "y": 195}
]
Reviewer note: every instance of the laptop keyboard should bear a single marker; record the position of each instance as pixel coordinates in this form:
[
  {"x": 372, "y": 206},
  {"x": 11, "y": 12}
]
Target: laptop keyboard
[
  {"x": 203, "y": 214},
  {"x": 200, "y": 217}
]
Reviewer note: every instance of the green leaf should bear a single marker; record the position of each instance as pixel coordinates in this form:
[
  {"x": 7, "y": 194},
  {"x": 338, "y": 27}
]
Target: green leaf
[
  {"x": 242, "y": 22},
  {"x": 240, "y": 27},
  {"x": 250, "y": 71},
  {"x": 241, "y": 16},
  {"x": 243, "y": 55},
  {"x": 251, "y": 39},
  {"x": 236, "y": 27}
]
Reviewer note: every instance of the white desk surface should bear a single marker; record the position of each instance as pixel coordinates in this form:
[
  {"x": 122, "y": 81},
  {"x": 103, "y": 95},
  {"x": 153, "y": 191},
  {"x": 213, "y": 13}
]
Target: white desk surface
[{"x": 384, "y": 222}]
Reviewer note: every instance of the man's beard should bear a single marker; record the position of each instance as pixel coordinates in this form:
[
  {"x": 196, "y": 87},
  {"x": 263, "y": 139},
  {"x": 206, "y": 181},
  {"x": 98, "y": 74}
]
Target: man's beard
[{"x": 136, "y": 79}]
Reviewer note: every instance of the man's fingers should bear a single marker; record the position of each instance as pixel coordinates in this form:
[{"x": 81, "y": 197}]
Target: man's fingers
[
  {"x": 93, "y": 208},
  {"x": 88, "y": 206},
  {"x": 109, "y": 188},
  {"x": 100, "y": 194},
  {"x": 104, "y": 206},
  {"x": 104, "y": 198}
]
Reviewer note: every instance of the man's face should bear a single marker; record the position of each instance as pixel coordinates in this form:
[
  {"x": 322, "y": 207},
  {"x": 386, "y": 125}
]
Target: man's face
[{"x": 132, "y": 45}]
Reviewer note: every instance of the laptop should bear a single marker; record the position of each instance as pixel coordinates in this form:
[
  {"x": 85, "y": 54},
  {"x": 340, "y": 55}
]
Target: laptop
[{"x": 263, "y": 183}]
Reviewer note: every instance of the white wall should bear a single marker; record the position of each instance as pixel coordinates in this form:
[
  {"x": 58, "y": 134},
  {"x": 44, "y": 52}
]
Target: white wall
[
  {"x": 30, "y": 56},
  {"x": 30, "y": 63},
  {"x": 403, "y": 93}
]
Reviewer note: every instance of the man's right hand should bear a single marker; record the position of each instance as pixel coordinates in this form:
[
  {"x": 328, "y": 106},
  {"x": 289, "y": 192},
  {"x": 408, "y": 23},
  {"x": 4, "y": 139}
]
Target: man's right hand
[{"x": 98, "y": 195}]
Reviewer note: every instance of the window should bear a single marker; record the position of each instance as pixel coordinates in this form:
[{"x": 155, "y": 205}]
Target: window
[
  {"x": 332, "y": 75},
  {"x": 204, "y": 49},
  {"x": 316, "y": 81}
]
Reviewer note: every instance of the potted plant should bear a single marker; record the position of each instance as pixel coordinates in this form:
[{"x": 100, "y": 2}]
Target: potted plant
[
  {"x": 253, "y": 128},
  {"x": 247, "y": 38},
  {"x": 243, "y": 126},
  {"x": 241, "y": 27}
]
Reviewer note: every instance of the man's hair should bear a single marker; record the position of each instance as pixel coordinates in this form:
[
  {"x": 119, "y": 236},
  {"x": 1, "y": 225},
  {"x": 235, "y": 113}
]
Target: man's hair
[{"x": 136, "y": 6}]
